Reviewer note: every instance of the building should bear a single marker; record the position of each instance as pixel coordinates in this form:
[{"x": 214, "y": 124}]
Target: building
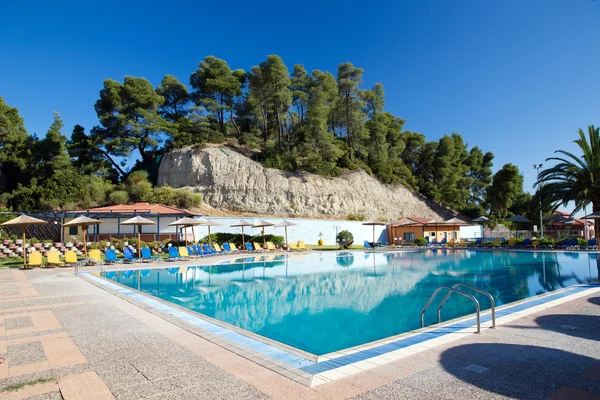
[
  {"x": 408, "y": 229},
  {"x": 572, "y": 227},
  {"x": 112, "y": 216}
]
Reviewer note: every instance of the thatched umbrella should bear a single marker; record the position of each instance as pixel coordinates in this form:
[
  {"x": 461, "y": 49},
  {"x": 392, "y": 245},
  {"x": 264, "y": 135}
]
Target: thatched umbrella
[
  {"x": 285, "y": 224},
  {"x": 210, "y": 223},
  {"x": 138, "y": 221},
  {"x": 261, "y": 224},
  {"x": 185, "y": 222},
  {"x": 84, "y": 222},
  {"x": 455, "y": 222},
  {"x": 23, "y": 221},
  {"x": 373, "y": 223},
  {"x": 483, "y": 220},
  {"x": 517, "y": 219},
  {"x": 242, "y": 223}
]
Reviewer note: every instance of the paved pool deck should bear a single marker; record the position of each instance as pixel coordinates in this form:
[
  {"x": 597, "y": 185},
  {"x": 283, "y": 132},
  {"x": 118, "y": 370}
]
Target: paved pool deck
[{"x": 64, "y": 337}]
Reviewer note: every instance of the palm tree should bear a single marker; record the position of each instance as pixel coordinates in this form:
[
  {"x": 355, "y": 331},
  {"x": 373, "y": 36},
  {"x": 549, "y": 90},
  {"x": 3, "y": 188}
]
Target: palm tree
[{"x": 574, "y": 178}]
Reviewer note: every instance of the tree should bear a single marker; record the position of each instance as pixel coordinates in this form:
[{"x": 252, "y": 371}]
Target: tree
[
  {"x": 87, "y": 157},
  {"x": 270, "y": 95},
  {"x": 215, "y": 85},
  {"x": 351, "y": 107},
  {"x": 575, "y": 178},
  {"x": 129, "y": 119},
  {"x": 14, "y": 154},
  {"x": 506, "y": 187},
  {"x": 176, "y": 98}
]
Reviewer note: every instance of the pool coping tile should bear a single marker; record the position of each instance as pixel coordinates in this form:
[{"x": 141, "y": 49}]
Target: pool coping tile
[{"x": 343, "y": 363}]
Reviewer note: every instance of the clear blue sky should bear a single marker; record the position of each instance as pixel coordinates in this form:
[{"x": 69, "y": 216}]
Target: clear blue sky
[{"x": 516, "y": 77}]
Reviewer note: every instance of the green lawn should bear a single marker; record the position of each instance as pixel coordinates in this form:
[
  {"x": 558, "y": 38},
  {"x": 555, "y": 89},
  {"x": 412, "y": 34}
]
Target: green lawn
[{"x": 332, "y": 247}]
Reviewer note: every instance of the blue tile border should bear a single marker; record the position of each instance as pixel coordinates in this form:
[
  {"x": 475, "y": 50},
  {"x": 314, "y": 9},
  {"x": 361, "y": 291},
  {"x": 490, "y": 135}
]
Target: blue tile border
[
  {"x": 362, "y": 355},
  {"x": 311, "y": 367},
  {"x": 265, "y": 349}
]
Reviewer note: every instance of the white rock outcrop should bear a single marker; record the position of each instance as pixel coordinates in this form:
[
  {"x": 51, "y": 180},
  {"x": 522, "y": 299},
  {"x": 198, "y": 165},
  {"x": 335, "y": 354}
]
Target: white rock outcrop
[{"x": 229, "y": 180}]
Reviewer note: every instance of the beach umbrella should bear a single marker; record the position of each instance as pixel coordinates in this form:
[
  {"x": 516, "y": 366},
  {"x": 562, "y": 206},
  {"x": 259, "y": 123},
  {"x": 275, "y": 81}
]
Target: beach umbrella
[
  {"x": 455, "y": 222},
  {"x": 23, "y": 221},
  {"x": 595, "y": 216},
  {"x": 138, "y": 221},
  {"x": 242, "y": 224},
  {"x": 373, "y": 223},
  {"x": 262, "y": 224},
  {"x": 483, "y": 220},
  {"x": 185, "y": 222},
  {"x": 84, "y": 222},
  {"x": 517, "y": 219},
  {"x": 210, "y": 223},
  {"x": 285, "y": 224}
]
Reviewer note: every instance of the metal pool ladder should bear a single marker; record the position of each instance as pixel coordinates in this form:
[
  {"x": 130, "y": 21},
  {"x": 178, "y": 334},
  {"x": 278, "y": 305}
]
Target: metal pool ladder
[{"x": 454, "y": 289}]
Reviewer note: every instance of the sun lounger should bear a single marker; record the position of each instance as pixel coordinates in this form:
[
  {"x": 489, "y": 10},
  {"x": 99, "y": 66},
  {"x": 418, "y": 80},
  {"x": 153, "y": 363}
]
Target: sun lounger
[
  {"x": 35, "y": 259},
  {"x": 301, "y": 245},
  {"x": 71, "y": 258},
  {"x": 53, "y": 258},
  {"x": 217, "y": 248},
  {"x": 249, "y": 247},
  {"x": 257, "y": 247},
  {"x": 183, "y": 253},
  {"x": 233, "y": 247},
  {"x": 95, "y": 255},
  {"x": 128, "y": 255},
  {"x": 147, "y": 255},
  {"x": 592, "y": 244},
  {"x": 208, "y": 250},
  {"x": 173, "y": 254},
  {"x": 293, "y": 246},
  {"x": 226, "y": 248},
  {"x": 111, "y": 257},
  {"x": 271, "y": 246},
  {"x": 367, "y": 245}
]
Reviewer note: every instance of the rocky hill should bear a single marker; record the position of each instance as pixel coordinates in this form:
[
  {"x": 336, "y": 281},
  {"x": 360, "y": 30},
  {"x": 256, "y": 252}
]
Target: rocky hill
[{"x": 230, "y": 181}]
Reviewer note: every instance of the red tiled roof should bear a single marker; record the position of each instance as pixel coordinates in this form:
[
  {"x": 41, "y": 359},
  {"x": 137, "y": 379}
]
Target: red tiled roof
[
  {"x": 577, "y": 220},
  {"x": 412, "y": 221},
  {"x": 141, "y": 208}
]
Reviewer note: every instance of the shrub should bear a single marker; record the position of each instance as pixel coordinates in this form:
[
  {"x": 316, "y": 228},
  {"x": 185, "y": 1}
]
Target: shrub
[
  {"x": 420, "y": 241},
  {"x": 345, "y": 239},
  {"x": 164, "y": 195},
  {"x": 356, "y": 217},
  {"x": 187, "y": 199},
  {"x": 581, "y": 242},
  {"x": 118, "y": 197},
  {"x": 547, "y": 241}
]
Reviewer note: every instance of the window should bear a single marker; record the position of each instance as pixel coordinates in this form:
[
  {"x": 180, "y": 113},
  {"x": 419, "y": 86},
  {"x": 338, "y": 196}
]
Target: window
[
  {"x": 73, "y": 230},
  {"x": 455, "y": 235},
  {"x": 433, "y": 234},
  {"x": 409, "y": 237}
]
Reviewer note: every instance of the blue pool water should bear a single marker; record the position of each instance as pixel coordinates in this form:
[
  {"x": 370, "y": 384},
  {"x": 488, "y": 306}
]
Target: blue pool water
[{"x": 325, "y": 302}]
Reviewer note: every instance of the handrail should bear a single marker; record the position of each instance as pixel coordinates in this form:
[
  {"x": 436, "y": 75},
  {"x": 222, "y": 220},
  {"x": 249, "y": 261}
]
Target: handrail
[
  {"x": 86, "y": 260},
  {"x": 475, "y": 289},
  {"x": 451, "y": 289}
]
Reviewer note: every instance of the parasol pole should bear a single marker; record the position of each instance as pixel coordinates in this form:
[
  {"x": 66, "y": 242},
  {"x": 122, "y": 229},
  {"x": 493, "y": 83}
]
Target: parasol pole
[
  {"x": 139, "y": 242},
  {"x": 243, "y": 241},
  {"x": 264, "y": 238},
  {"x": 24, "y": 253},
  {"x": 373, "y": 235},
  {"x": 84, "y": 231},
  {"x": 193, "y": 235},
  {"x": 287, "y": 247},
  {"x": 185, "y": 235},
  {"x": 209, "y": 239}
]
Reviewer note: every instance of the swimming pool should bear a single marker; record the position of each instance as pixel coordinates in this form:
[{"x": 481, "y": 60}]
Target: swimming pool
[{"x": 325, "y": 302}]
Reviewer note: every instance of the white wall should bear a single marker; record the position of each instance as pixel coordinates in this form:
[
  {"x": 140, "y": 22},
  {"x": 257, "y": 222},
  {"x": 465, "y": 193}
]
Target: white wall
[
  {"x": 470, "y": 232},
  {"x": 306, "y": 229}
]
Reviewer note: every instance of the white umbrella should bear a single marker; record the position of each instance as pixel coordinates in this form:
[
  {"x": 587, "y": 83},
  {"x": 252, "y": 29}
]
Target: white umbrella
[
  {"x": 373, "y": 223},
  {"x": 285, "y": 224},
  {"x": 185, "y": 222},
  {"x": 23, "y": 221},
  {"x": 261, "y": 224},
  {"x": 210, "y": 223},
  {"x": 242, "y": 224},
  {"x": 138, "y": 221},
  {"x": 84, "y": 222}
]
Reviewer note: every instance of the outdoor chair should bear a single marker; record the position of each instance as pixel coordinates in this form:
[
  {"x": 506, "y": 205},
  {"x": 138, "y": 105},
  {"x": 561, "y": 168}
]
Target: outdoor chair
[
  {"x": 183, "y": 253},
  {"x": 71, "y": 258},
  {"x": 147, "y": 255},
  {"x": 368, "y": 245},
  {"x": 218, "y": 249},
  {"x": 111, "y": 257},
  {"x": 173, "y": 254},
  {"x": 95, "y": 255},
  {"x": 35, "y": 259},
  {"x": 592, "y": 244},
  {"x": 271, "y": 246},
  {"x": 301, "y": 245},
  {"x": 128, "y": 255},
  {"x": 53, "y": 258},
  {"x": 249, "y": 247}
]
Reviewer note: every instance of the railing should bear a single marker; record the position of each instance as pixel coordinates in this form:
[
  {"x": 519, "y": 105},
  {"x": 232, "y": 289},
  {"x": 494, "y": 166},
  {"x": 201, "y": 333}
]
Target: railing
[
  {"x": 474, "y": 289},
  {"x": 451, "y": 289},
  {"x": 87, "y": 260}
]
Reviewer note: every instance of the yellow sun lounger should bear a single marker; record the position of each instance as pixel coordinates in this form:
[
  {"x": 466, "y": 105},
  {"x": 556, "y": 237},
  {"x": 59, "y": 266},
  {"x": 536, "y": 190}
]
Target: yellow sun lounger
[
  {"x": 35, "y": 259},
  {"x": 232, "y": 247},
  {"x": 95, "y": 254},
  {"x": 293, "y": 246},
  {"x": 301, "y": 245},
  {"x": 183, "y": 252},
  {"x": 217, "y": 248},
  {"x": 257, "y": 247},
  {"x": 271, "y": 246},
  {"x": 71, "y": 257},
  {"x": 53, "y": 258}
]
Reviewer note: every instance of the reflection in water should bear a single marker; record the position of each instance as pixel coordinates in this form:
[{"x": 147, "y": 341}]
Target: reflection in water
[{"x": 326, "y": 302}]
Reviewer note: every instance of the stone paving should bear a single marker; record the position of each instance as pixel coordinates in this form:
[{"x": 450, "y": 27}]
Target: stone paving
[{"x": 68, "y": 339}]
